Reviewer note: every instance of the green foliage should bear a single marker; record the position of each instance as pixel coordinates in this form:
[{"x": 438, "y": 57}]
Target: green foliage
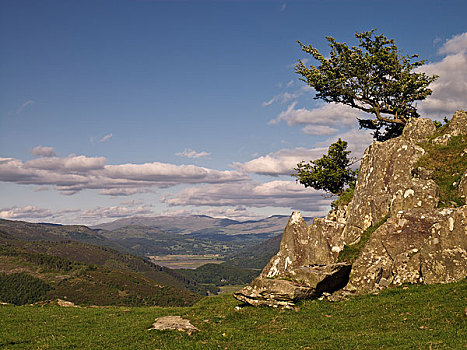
[
  {"x": 448, "y": 163},
  {"x": 372, "y": 77},
  {"x": 330, "y": 173},
  {"x": 22, "y": 288},
  {"x": 220, "y": 275},
  {"x": 351, "y": 252},
  {"x": 344, "y": 198},
  {"x": 418, "y": 317}
]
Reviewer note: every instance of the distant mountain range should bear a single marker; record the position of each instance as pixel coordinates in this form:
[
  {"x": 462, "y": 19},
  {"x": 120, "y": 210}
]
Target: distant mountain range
[
  {"x": 196, "y": 234},
  {"x": 197, "y": 224}
]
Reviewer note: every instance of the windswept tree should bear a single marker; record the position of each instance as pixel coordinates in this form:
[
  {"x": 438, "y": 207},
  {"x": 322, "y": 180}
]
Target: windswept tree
[
  {"x": 372, "y": 77},
  {"x": 330, "y": 173}
]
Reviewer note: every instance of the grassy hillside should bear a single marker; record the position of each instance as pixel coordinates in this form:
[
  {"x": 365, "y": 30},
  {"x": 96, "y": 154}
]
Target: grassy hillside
[
  {"x": 255, "y": 256},
  {"x": 413, "y": 317},
  {"x": 81, "y": 283},
  {"x": 36, "y": 232}
]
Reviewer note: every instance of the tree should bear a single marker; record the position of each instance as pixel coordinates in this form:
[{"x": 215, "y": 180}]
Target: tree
[
  {"x": 330, "y": 173},
  {"x": 372, "y": 77}
]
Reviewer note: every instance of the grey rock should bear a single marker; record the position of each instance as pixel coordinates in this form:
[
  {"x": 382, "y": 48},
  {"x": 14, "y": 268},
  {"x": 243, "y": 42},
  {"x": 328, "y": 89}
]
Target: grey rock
[
  {"x": 419, "y": 243},
  {"x": 423, "y": 173},
  {"x": 417, "y": 246},
  {"x": 458, "y": 124},
  {"x": 173, "y": 323},
  {"x": 462, "y": 187},
  {"x": 303, "y": 283},
  {"x": 419, "y": 130}
]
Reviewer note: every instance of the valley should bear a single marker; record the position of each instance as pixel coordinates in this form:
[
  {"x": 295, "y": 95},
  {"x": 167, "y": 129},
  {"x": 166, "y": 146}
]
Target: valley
[{"x": 127, "y": 263}]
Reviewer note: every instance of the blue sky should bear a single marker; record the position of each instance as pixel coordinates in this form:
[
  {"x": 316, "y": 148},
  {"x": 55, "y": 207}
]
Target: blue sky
[{"x": 117, "y": 108}]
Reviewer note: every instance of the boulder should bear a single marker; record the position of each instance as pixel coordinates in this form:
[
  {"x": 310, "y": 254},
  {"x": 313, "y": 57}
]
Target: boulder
[
  {"x": 174, "y": 323},
  {"x": 303, "y": 283},
  {"x": 386, "y": 181},
  {"x": 417, "y": 246},
  {"x": 419, "y": 130},
  {"x": 457, "y": 126},
  {"x": 304, "y": 267}
]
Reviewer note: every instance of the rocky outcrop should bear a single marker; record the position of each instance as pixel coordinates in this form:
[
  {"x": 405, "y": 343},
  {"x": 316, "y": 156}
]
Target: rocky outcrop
[
  {"x": 298, "y": 272},
  {"x": 419, "y": 243},
  {"x": 417, "y": 246}
]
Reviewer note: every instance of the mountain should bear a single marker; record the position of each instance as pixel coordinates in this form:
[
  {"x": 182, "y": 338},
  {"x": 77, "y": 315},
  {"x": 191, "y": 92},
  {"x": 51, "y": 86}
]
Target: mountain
[
  {"x": 53, "y": 232},
  {"x": 202, "y": 224},
  {"x": 194, "y": 235}
]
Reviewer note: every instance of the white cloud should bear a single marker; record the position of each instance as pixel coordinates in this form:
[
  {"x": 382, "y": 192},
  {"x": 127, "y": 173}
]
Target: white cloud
[
  {"x": 285, "y": 97},
  {"x": 328, "y": 114},
  {"x": 105, "y": 138},
  {"x": 76, "y": 216},
  {"x": 281, "y": 194},
  {"x": 455, "y": 45},
  {"x": 189, "y": 153},
  {"x": 234, "y": 213},
  {"x": 450, "y": 89},
  {"x": 23, "y": 106},
  {"x": 74, "y": 173},
  {"x": 114, "y": 212},
  {"x": 42, "y": 151},
  {"x": 319, "y": 130},
  {"x": 24, "y": 212},
  {"x": 71, "y": 164},
  {"x": 281, "y": 162}
]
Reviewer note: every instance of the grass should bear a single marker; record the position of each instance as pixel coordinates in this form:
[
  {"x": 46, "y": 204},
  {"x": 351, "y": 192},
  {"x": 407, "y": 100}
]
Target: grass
[
  {"x": 420, "y": 317},
  {"x": 344, "y": 198},
  {"x": 449, "y": 164},
  {"x": 351, "y": 252}
]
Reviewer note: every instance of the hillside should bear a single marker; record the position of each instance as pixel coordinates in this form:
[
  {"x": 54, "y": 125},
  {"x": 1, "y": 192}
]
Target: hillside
[
  {"x": 89, "y": 274},
  {"x": 407, "y": 317},
  {"x": 52, "y": 232}
]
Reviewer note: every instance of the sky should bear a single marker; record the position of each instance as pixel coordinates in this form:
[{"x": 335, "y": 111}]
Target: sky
[{"x": 112, "y": 108}]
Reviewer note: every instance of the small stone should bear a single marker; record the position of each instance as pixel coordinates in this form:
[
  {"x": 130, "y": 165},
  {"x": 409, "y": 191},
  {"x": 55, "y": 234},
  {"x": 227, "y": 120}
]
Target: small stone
[
  {"x": 174, "y": 323},
  {"x": 65, "y": 303}
]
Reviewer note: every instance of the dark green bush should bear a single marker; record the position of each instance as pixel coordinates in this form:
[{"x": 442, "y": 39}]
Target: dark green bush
[{"x": 21, "y": 288}]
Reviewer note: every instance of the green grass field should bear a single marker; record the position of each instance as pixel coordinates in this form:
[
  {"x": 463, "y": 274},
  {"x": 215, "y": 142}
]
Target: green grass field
[{"x": 417, "y": 317}]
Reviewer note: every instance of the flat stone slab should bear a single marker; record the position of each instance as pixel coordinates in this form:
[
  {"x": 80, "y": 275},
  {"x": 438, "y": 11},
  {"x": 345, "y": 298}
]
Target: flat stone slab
[{"x": 174, "y": 323}]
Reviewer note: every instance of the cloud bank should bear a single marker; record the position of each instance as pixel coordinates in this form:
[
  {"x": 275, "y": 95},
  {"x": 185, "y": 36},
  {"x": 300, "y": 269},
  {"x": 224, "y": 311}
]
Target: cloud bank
[
  {"x": 73, "y": 173},
  {"x": 450, "y": 89}
]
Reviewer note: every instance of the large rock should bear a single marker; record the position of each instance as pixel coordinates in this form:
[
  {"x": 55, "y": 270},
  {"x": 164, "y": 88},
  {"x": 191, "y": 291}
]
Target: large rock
[
  {"x": 419, "y": 243},
  {"x": 417, "y": 246},
  {"x": 303, "y": 268},
  {"x": 386, "y": 182},
  {"x": 458, "y": 124},
  {"x": 305, "y": 282}
]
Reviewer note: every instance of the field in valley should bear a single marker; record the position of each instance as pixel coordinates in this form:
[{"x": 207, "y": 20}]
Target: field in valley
[{"x": 185, "y": 261}]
